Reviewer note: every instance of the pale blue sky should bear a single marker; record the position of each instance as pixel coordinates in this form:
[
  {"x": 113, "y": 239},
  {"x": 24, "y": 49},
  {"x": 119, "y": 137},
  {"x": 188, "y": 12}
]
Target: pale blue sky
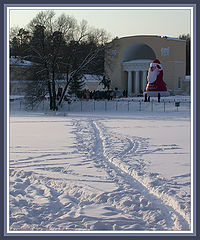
[{"x": 121, "y": 23}]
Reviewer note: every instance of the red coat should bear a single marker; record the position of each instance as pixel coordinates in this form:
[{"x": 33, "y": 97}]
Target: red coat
[{"x": 158, "y": 84}]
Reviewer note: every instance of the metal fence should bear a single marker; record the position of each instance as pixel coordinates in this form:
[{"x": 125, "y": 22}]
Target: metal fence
[{"x": 109, "y": 106}]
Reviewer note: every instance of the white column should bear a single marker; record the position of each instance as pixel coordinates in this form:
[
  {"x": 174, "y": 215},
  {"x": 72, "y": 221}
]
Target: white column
[
  {"x": 129, "y": 83},
  {"x": 136, "y": 82},
  {"x": 144, "y": 80}
]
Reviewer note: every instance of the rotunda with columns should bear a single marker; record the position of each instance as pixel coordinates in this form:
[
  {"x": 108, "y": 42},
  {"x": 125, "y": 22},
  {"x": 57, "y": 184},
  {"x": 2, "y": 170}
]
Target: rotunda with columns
[{"x": 127, "y": 62}]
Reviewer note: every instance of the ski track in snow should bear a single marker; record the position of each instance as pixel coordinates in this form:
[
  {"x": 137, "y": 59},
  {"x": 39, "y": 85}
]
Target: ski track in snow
[
  {"x": 138, "y": 147},
  {"x": 119, "y": 160},
  {"x": 61, "y": 201}
]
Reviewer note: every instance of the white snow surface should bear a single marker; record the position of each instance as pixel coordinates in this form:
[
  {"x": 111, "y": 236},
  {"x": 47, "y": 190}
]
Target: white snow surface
[
  {"x": 92, "y": 78},
  {"x": 20, "y": 62},
  {"x": 100, "y": 171}
]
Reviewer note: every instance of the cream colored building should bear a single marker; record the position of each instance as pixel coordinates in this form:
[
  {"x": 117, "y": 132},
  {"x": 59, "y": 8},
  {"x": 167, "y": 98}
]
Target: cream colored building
[{"x": 127, "y": 61}]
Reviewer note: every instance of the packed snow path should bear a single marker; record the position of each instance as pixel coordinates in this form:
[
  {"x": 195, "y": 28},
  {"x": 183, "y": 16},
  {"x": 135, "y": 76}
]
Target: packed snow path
[{"x": 94, "y": 179}]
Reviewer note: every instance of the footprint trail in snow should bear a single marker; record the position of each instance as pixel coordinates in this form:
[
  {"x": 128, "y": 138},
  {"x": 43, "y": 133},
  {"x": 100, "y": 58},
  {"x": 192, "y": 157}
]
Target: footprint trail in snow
[{"x": 101, "y": 182}]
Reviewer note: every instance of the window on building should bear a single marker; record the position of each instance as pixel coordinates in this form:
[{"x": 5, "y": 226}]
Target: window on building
[
  {"x": 165, "y": 51},
  {"x": 113, "y": 53}
]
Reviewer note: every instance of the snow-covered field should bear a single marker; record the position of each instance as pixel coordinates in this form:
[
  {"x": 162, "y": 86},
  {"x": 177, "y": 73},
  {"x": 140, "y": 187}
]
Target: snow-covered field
[{"x": 100, "y": 171}]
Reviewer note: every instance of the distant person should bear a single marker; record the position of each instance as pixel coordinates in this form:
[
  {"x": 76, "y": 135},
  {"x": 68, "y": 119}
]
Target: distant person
[{"x": 158, "y": 97}]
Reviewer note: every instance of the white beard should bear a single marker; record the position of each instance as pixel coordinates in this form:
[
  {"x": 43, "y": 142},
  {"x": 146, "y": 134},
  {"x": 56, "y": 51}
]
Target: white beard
[{"x": 152, "y": 75}]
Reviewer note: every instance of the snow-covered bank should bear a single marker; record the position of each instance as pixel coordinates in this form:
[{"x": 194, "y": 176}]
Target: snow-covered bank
[
  {"x": 135, "y": 104},
  {"x": 116, "y": 172}
]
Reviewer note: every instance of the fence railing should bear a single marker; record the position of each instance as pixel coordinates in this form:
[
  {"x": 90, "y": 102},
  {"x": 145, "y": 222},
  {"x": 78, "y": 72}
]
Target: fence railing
[{"x": 109, "y": 106}]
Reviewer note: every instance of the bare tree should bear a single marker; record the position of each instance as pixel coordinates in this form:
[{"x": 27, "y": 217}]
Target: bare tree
[
  {"x": 81, "y": 68},
  {"x": 43, "y": 18},
  {"x": 37, "y": 87},
  {"x": 61, "y": 46}
]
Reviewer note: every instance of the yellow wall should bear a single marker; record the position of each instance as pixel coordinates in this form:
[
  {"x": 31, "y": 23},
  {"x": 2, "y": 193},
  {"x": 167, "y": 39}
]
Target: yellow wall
[{"x": 174, "y": 65}]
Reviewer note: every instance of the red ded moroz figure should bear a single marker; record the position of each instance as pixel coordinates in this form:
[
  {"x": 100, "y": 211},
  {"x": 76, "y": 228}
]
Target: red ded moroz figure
[{"x": 155, "y": 77}]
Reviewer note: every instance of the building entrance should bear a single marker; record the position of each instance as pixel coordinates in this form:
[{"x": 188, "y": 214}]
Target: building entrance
[{"x": 135, "y": 61}]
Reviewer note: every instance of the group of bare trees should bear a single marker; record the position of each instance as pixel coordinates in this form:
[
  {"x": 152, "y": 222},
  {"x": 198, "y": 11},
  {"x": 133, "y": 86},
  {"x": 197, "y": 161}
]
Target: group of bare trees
[{"x": 60, "y": 48}]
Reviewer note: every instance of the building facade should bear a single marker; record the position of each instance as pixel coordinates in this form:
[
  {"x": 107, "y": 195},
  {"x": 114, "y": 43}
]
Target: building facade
[
  {"x": 20, "y": 75},
  {"x": 127, "y": 62},
  {"x": 22, "y": 71}
]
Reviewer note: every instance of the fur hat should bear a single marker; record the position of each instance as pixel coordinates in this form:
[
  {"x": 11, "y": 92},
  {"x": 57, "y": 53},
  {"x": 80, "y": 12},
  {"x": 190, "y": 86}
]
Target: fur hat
[{"x": 156, "y": 61}]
